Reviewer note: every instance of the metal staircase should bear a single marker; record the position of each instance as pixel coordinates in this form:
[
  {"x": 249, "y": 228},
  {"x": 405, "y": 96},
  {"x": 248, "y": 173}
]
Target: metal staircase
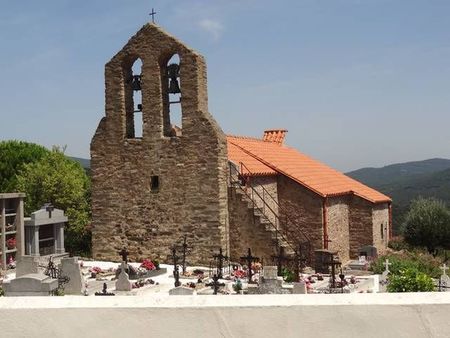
[{"x": 286, "y": 232}]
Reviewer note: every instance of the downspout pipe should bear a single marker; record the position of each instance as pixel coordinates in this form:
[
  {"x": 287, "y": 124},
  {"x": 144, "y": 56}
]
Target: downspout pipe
[
  {"x": 390, "y": 221},
  {"x": 324, "y": 223}
]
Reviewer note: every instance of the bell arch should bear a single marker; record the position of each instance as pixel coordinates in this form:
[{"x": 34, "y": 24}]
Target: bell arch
[
  {"x": 171, "y": 95},
  {"x": 133, "y": 98}
]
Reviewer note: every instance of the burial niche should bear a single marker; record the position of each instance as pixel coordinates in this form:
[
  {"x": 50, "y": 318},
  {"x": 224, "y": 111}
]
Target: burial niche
[
  {"x": 171, "y": 90},
  {"x": 133, "y": 100}
]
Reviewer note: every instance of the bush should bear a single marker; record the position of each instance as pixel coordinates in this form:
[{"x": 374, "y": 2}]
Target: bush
[
  {"x": 288, "y": 275},
  {"x": 422, "y": 262},
  {"x": 410, "y": 280},
  {"x": 427, "y": 224}
]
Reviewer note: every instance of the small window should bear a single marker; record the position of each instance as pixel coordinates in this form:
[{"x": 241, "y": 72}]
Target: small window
[
  {"x": 382, "y": 231},
  {"x": 154, "y": 183}
]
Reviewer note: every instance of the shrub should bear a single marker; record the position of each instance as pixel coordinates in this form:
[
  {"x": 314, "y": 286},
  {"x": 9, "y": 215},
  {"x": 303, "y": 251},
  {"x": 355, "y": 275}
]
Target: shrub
[
  {"x": 288, "y": 275},
  {"x": 410, "y": 280}
]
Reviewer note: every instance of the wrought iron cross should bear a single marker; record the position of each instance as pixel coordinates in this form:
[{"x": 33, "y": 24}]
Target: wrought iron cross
[
  {"x": 185, "y": 250},
  {"x": 124, "y": 253},
  {"x": 215, "y": 284},
  {"x": 280, "y": 259},
  {"x": 220, "y": 257},
  {"x": 49, "y": 208},
  {"x": 249, "y": 259},
  {"x": 152, "y": 14},
  {"x": 176, "y": 272}
]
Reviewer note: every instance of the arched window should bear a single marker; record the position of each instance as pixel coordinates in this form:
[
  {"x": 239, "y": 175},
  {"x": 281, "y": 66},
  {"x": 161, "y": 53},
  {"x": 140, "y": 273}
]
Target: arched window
[
  {"x": 172, "y": 113},
  {"x": 133, "y": 100}
]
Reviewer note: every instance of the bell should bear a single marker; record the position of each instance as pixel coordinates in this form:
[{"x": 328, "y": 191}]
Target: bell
[
  {"x": 136, "y": 84},
  {"x": 174, "y": 88}
]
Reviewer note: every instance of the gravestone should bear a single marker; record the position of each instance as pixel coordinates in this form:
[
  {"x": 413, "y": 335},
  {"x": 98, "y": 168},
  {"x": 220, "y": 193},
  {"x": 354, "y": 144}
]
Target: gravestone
[
  {"x": 270, "y": 272},
  {"x": 299, "y": 288},
  {"x": 33, "y": 284},
  {"x": 26, "y": 265},
  {"x": 181, "y": 291},
  {"x": 70, "y": 267},
  {"x": 123, "y": 281},
  {"x": 269, "y": 283},
  {"x": 369, "y": 251}
]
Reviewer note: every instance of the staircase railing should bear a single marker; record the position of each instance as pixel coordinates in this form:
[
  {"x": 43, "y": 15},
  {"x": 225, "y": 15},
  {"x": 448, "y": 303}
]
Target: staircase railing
[{"x": 240, "y": 178}]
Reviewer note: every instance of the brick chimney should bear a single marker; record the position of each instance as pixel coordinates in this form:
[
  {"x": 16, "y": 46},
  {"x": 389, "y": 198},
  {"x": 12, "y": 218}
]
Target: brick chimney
[{"x": 275, "y": 135}]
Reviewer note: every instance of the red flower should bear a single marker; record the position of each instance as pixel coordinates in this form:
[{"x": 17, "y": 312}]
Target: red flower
[
  {"x": 148, "y": 265},
  {"x": 11, "y": 243}
]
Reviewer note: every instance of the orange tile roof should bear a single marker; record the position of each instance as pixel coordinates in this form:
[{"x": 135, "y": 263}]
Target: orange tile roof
[{"x": 265, "y": 157}]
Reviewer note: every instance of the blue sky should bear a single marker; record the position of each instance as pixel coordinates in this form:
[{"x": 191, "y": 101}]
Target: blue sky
[{"x": 356, "y": 82}]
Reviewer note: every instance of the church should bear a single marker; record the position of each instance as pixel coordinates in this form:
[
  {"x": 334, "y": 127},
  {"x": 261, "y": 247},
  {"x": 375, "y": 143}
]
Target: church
[{"x": 154, "y": 182}]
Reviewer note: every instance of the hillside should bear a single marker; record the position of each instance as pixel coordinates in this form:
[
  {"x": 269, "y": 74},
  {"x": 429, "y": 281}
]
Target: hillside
[{"x": 406, "y": 181}]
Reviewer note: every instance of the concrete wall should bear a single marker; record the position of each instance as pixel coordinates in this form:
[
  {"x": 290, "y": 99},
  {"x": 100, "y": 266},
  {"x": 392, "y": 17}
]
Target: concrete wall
[
  {"x": 192, "y": 194},
  {"x": 338, "y": 226},
  {"x": 348, "y": 315}
]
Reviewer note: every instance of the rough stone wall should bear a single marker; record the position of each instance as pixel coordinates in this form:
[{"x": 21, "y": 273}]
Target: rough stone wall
[
  {"x": 266, "y": 187},
  {"x": 338, "y": 226},
  {"x": 246, "y": 230},
  {"x": 380, "y": 222},
  {"x": 361, "y": 228},
  {"x": 304, "y": 208},
  {"x": 192, "y": 196}
]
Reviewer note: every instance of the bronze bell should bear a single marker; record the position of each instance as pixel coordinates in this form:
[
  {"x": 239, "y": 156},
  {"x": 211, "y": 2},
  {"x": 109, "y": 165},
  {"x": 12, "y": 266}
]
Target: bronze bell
[
  {"x": 173, "y": 73},
  {"x": 136, "y": 84},
  {"x": 174, "y": 88}
]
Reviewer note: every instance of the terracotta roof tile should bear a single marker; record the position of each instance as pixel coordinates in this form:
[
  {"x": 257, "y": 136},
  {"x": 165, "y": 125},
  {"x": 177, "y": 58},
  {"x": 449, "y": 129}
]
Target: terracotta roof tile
[{"x": 265, "y": 157}]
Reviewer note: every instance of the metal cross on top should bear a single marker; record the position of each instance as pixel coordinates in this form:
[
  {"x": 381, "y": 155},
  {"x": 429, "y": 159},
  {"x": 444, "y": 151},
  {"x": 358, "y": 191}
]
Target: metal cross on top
[
  {"x": 220, "y": 257},
  {"x": 249, "y": 259},
  {"x": 124, "y": 253},
  {"x": 176, "y": 272},
  {"x": 49, "y": 208},
  {"x": 444, "y": 268},
  {"x": 152, "y": 14}
]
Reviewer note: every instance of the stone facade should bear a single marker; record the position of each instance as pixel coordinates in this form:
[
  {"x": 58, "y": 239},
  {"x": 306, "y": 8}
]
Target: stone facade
[
  {"x": 304, "y": 208},
  {"x": 338, "y": 226},
  {"x": 149, "y": 191}
]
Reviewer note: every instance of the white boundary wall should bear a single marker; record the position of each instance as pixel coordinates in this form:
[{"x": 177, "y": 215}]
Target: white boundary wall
[{"x": 342, "y": 315}]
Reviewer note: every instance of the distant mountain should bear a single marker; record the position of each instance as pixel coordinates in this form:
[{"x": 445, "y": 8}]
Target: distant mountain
[
  {"x": 85, "y": 163},
  {"x": 377, "y": 177},
  {"x": 404, "y": 182}
]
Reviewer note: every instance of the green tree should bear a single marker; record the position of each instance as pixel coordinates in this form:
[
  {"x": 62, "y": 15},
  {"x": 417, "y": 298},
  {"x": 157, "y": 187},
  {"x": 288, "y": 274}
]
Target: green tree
[
  {"x": 14, "y": 155},
  {"x": 428, "y": 224},
  {"x": 63, "y": 182},
  {"x": 410, "y": 280}
]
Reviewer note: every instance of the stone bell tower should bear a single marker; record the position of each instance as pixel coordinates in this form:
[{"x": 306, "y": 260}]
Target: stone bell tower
[{"x": 154, "y": 181}]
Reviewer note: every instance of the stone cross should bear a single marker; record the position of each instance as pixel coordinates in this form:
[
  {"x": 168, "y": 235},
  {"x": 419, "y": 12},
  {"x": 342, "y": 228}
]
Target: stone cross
[
  {"x": 220, "y": 257},
  {"x": 444, "y": 268},
  {"x": 386, "y": 264},
  {"x": 152, "y": 14},
  {"x": 249, "y": 259},
  {"x": 124, "y": 253}
]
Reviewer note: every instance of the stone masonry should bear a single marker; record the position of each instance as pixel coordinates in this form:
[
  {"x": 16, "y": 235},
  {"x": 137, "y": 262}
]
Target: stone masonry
[{"x": 151, "y": 190}]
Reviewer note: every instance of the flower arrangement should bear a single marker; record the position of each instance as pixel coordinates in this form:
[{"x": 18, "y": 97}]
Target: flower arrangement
[
  {"x": 148, "y": 265},
  {"x": 95, "y": 269},
  {"x": 240, "y": 273},
  {"x": 11, "y": 243}
]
